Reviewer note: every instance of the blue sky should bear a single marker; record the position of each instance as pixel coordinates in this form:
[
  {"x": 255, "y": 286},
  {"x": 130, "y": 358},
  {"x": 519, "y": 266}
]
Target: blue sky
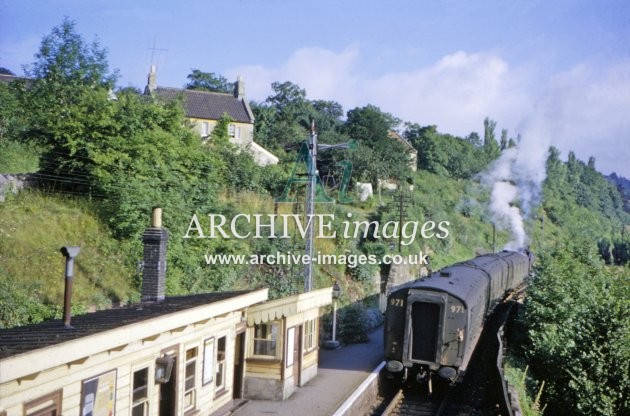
[{"x": 557, "y": 72}]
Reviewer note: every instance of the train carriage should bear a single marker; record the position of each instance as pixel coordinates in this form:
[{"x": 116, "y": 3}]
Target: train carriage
[{"x": 433, "y": 324}]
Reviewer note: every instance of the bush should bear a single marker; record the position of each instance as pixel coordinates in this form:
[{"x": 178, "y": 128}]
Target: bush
[{"x": 577, "y": 315}]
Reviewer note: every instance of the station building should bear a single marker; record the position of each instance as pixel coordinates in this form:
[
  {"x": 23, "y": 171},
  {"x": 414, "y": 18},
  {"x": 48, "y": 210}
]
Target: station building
[{"x": 181, "y": 355}]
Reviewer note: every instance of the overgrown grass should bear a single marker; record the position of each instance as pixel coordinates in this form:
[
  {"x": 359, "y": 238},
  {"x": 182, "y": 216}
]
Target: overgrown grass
[
  {"x": 33, "y": 228},
  {"x": 526, "y": 386},
  {"x": 18, "y": 157}
]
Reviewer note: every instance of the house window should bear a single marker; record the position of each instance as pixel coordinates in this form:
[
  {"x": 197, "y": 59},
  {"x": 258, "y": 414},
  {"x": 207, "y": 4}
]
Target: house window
[
  {"x": 265, "y": 337},
  {"x": 237, "y": 133},
  {"x": 205, "y": 129},
  {"x": 220, "y": 376},
  {"x": 49, "y": 405},
  {"x": 190, "y": 378},
  {"x": 140, "y": 393},
  {"x": 310, "y": 335},
  {"x": 231, "y": 130}
]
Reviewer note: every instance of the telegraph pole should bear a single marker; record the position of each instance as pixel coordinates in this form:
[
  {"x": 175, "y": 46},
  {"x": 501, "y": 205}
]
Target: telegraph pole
[
  {"x": 310, "y": 208},
  {"x": 311, "y": 195}
]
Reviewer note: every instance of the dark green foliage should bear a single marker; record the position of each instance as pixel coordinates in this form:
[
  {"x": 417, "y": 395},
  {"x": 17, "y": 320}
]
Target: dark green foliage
[
  {"x": 581, "y": 200},
  {"x": 209, "y": 81},
  {"x": 65, "y": 58},
  {"x": 446, "y": 155},
  {"x": 621, "y": 250},
  {"x": 604, "y": 250},
  {"x": 352, "y": 325},
  {"x": 623, "y": 186},
  {"x": 490, "y": 145},
  {"x": 577, "y": 316},
  {"x": 18, "y": 305},
  {"x": 378, "y": 155},
  {"x": 12, "y": 119}
]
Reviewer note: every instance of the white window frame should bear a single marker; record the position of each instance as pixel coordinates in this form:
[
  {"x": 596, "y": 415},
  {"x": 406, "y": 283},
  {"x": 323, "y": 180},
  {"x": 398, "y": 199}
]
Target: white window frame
[
  {"x": 145, "y": 401},
  {"x": 205, "y": 129},
  {"x": 192, "y": 390},
  {"x": 231, "y": 130},
  {"x": 310, "y": 335},
  {"x": 272, "y": 336},
  {"x": 221, "y": 363}
]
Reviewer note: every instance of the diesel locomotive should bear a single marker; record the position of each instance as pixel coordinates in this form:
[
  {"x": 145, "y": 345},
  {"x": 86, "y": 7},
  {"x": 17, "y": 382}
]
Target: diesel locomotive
[{"x": 433, "y": 324}]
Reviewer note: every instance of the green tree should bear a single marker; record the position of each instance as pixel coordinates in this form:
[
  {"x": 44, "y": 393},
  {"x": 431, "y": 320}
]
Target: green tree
[
  {"x": 64, "y": 57},
  {"x": 504, "y": 139},
  {"x": 577, "y": 314},
  {"x": 490, "y": 145},
  {"x": 378, "y": 156},
  {"x": 446, "y": 155},
  {"x": 209, "y": 81}
]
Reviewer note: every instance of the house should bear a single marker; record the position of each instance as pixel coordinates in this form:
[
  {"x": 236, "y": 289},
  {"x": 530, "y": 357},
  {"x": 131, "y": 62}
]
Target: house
[
  {"x": 413, "y": 153},
  {"x": 181, "y": 355},
  {"x": 204, "y": 109}
]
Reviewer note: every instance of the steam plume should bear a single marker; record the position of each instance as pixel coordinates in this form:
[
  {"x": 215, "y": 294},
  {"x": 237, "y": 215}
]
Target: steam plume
[{"x": 515, "y": 181}]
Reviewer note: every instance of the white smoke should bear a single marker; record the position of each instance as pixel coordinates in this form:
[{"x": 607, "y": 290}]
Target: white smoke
[{"x": 515, "y": 181}]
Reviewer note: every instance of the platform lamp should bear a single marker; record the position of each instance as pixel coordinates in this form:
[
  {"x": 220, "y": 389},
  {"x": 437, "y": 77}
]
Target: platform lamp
[{"x": 333, "y": 343}]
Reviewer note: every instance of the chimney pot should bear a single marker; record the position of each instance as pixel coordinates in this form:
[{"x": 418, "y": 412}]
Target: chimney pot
[{"x": 156, "y": 218}]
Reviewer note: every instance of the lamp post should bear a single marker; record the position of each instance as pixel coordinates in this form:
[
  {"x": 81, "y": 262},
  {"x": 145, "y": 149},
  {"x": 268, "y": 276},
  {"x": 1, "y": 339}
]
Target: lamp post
[{"x": 333, "y": 343}]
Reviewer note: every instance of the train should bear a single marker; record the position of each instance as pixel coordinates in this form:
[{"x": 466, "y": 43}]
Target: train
[{"x": 432, "y": 324}]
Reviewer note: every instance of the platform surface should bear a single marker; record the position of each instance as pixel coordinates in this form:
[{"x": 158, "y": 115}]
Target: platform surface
[{"x": 340, "y": 372}]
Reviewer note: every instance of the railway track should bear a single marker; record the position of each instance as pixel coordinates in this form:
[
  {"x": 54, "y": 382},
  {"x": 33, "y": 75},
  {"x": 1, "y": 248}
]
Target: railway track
[
  {"x": 410, "y": 403},
  {"x": 478, "y": 394}
]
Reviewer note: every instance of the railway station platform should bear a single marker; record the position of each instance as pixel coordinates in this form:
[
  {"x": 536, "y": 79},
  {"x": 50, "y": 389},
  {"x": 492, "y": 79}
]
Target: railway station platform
[{"x": 340, "y": 372}]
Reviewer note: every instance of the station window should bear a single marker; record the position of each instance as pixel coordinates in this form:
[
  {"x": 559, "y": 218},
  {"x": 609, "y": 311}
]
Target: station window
[
  {"x": 310, "y": 335},
  {"x": 265, "y": 338},
  {"x": 190, "y": 378},
  {"x": 49, "y": 405},
  {"x": 140, "y": 393},
  {"x": 220, "y": 376}
]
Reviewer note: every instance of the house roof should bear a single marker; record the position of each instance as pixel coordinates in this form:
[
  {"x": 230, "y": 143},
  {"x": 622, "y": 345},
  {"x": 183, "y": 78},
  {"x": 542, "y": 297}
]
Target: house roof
[
  {"x": 14, "y": 341},
  {"x": 6, "y": 78},
  {"x": 209, "y": 105},
  {"x": 393, "y": 135}
]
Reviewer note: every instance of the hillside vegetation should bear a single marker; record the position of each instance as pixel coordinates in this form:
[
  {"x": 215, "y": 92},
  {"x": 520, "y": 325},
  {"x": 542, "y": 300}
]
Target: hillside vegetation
[
  {"x": 33, "y": 227},
  {"x": 101, "y": 164}
]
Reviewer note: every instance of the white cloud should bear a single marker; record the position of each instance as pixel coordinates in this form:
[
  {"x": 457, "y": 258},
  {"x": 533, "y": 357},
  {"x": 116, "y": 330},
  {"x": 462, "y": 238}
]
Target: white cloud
[
  {"x": 322, "y": 73},
  {"x": 589, "y": 109},
  {"x": 584, "y": 109}
]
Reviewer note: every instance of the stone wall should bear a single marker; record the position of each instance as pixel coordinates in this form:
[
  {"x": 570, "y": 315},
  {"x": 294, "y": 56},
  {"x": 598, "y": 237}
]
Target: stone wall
[{"x": 13, "y": 184}]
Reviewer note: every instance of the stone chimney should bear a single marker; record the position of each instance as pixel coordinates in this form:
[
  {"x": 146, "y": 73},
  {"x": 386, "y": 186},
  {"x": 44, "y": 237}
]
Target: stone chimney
[
  {"x": 151, "y": 81},
  {"x": 239, "y": 87},
  {"x": 154, "y": 270}
]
